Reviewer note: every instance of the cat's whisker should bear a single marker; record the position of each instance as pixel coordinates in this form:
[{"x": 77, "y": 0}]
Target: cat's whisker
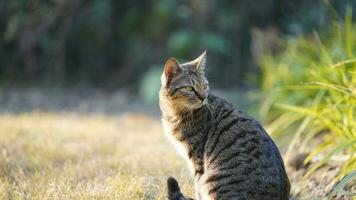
[
  {"x": 191, "y": 118},
  {"x": 211, "y": 109}
]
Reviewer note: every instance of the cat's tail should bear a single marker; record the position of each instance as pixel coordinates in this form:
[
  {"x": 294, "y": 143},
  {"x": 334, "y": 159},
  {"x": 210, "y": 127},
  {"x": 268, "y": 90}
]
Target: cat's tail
[{"x": 174, "y": 192}]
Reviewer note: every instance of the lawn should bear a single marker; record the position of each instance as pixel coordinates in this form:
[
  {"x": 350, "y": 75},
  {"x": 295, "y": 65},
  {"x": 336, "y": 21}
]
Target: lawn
[
  {"x": 70, "y": 144},
  {"x": 61, "y": 155},
  {"x": 79, "y": 156}
]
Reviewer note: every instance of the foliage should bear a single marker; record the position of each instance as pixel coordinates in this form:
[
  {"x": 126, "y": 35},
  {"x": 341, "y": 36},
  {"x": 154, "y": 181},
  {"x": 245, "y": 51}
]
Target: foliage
[
  {"x": 114, "y": 43},
  {"x": 311, "y": 91}
]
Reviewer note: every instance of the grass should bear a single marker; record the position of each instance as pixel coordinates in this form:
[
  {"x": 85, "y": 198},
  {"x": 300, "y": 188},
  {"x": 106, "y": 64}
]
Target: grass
[
  {"x": 72, "y": 156},
  {"x": 92, "y": 156},
  {"x": 310, "y": 90}
]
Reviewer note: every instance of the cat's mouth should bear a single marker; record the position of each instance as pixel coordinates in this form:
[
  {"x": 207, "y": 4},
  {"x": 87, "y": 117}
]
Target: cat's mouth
[
  {"x": 204, "y": 102},
  {"x": 198, "y": 104},
  {"x": 192, "y": 104}
]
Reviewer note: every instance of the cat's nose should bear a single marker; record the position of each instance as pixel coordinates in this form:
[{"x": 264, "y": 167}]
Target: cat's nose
[{"x": 201, "y": 96}]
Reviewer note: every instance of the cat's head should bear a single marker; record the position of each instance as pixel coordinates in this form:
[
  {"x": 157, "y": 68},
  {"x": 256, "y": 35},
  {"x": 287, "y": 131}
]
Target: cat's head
[{"x": 185, "y": 85}]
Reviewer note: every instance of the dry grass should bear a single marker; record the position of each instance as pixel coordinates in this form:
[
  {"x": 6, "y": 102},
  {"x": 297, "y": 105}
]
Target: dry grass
[
  {"x": 71, "y": 156},
  {"x": 96, "y": 156}
]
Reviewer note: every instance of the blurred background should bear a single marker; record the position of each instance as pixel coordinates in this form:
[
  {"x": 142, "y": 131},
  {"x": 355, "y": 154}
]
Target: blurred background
[
  {"x": 114, "y": 45},
  {"x": 82, "y": 76}
]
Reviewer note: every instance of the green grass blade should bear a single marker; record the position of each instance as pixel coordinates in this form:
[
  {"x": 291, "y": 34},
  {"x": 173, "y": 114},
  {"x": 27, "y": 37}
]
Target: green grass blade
[
  {"x": 303, "y": 126},
  {"x": 347, "y": 179},
  {"x": 342, "y": 63},
  {"x": 348, "y": 34},
  {"x": 324, "y": 53},
  {"x": 282, "y": 121},
  {"x": 296, "y": 137},
  {"x": 331, "y": 86},
  {"x": 310, "y": 111},
  {"x": 321, "y": 148},
  {"x": 327, "y": 157}
]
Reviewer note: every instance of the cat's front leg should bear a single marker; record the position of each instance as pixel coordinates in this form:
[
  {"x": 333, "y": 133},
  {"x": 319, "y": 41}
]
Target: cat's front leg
[
  {"x": 201, "y": 190},
  {"x": 197, "y": 193}
]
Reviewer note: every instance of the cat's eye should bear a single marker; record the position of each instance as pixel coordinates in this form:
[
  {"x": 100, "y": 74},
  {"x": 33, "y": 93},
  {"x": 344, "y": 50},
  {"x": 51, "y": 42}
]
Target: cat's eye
[{"x": 190, "y": 88}]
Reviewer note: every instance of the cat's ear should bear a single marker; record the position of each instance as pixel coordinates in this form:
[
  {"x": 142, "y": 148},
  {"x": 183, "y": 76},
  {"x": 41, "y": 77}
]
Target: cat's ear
[
  {"x": 171, "y": 69},
  {"x": 200, "y": 62}
]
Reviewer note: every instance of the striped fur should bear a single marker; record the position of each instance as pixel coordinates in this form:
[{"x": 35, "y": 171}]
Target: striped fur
[{"x": 231, "y": 155}]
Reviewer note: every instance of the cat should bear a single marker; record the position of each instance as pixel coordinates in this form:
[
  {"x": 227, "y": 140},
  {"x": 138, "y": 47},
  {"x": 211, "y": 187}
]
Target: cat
[{"x": 230, "y": 154}]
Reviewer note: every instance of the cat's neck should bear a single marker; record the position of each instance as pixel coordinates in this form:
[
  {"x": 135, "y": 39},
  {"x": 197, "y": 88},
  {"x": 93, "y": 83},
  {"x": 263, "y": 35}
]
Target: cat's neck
[{"x": 170, "y": 113}]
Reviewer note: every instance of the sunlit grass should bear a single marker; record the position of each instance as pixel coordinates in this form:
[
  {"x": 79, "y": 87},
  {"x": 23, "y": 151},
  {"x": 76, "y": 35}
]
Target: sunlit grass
[
  {"x": 69, "y": 156},
  {"x": 79, "y": 156}
]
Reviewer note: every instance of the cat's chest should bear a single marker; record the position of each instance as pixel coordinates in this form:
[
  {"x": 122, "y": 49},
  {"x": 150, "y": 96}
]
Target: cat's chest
[{"x": 173, "y": 133}]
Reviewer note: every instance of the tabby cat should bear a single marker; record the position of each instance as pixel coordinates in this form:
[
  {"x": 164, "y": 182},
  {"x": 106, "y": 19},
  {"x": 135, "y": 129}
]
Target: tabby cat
[{"x": 230, "y": 154}]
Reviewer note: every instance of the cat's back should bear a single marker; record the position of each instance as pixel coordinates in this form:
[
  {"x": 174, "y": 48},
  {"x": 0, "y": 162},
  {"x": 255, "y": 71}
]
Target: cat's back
[{"x": 241, "y": 160}]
